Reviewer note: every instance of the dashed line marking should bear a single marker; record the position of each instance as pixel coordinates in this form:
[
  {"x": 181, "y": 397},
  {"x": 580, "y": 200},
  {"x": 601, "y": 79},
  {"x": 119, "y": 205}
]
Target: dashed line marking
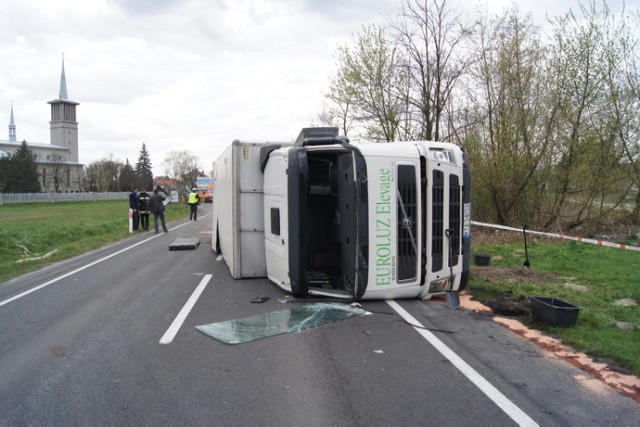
[{"x": 171, "y": 333}]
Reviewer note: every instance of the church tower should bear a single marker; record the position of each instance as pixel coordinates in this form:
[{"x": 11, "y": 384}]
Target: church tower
[
  {"x": 63, "y": 124},
  {"x": 12, "y": 127}
]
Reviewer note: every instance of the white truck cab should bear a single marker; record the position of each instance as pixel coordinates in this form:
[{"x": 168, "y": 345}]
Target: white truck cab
[
  {"x": 366, "y": 221},
  {"x": 363, "y": 221}
]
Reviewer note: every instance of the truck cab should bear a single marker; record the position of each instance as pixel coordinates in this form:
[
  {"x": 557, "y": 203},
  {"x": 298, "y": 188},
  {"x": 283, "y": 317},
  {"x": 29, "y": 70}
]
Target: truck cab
[{"x": 366, "y": 221}]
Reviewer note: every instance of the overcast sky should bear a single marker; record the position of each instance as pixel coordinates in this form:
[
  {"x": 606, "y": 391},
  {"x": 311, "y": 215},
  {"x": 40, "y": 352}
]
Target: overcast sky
[{"x": 183, "y": 74}]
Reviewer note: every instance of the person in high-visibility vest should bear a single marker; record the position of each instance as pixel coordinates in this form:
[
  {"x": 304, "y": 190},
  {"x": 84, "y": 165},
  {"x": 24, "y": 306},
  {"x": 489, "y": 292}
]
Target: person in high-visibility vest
[{"x": 194, "y": 201}]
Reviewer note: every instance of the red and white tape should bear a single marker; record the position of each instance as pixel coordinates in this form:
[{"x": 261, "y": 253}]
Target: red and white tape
[{"x": 560, "y": 236}]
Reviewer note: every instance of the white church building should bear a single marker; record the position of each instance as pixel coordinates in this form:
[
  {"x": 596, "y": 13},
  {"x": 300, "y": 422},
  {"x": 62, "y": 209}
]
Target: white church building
[{"x": 57, "y": 161}]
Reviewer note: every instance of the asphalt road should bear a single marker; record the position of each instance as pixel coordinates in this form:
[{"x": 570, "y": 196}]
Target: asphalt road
[{"x": 80, "y": 344}]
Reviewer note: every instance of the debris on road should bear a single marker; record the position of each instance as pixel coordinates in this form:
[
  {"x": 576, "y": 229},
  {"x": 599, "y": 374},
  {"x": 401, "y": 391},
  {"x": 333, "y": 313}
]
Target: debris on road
[
  {"x": 264, "y": 325},
  {"x": 184, "y": 243}
]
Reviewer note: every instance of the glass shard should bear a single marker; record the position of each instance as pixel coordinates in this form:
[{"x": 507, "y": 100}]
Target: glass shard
[{"x": 279, "y": 322}]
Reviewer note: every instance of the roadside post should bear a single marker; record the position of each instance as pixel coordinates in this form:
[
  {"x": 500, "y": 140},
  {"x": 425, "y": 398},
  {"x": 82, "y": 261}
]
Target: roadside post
[{"x": 130, "y": 220}]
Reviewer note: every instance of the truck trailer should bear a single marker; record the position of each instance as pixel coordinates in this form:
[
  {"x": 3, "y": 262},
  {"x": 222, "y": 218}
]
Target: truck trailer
[{"x": 323, "y": 216}]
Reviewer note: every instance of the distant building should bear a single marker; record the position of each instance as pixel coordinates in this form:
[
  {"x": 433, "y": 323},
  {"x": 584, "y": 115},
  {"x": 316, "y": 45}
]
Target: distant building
[{"x": 57, "y": 161}]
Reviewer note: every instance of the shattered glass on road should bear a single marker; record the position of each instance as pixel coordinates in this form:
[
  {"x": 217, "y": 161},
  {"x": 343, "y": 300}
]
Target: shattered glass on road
[{"x": 279, "y": 322}]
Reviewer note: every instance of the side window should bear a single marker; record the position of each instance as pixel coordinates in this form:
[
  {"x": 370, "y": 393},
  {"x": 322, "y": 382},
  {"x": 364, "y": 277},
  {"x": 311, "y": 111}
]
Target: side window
[{"x": 275, "y": 221}]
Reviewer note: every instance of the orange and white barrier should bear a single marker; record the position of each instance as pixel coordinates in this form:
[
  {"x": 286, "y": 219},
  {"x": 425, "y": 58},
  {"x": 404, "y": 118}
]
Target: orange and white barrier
[{"x": 559, "y": 236}]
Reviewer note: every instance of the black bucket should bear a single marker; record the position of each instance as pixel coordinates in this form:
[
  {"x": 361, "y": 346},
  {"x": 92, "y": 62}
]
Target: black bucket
[
  {"x": 481, "y": 259},
  {"x": 554, "y": 312}
]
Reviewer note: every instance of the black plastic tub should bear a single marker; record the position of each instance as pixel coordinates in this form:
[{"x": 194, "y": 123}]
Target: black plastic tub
[
  {"x": 554, "y": 312},
  {"x": 481, "y": 259}
]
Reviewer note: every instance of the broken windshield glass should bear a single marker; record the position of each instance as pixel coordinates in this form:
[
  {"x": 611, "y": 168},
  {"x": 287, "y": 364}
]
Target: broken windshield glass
[{"x": 279, "y": 322}]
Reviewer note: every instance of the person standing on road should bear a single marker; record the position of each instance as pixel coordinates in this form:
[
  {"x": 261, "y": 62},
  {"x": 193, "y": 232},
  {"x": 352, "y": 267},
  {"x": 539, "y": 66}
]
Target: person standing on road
[
  {"x": 194, "y": 201},
  {"x": 144, "y": 201},
  {"x": 157, "y": 207},
  {"x": 134, "y": 205}
]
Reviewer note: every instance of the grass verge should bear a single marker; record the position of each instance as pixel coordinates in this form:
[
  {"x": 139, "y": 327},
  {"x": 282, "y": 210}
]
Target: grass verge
[
  {"x": 69, "y": 228},
  {"x": 602, "y": 281}
]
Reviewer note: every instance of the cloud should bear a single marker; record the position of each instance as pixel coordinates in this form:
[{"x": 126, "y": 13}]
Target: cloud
[
  {"x": 148, "y": 7},
  {"x": 174, "y": 74}
]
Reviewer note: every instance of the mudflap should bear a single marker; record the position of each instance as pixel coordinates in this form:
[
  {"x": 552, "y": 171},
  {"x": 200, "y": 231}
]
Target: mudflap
[{"x": 453, "y": 299}]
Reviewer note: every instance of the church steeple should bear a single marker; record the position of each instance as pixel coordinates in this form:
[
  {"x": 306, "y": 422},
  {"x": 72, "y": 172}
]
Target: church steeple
[
  {"x": 63, "y": 125},
  {"x": 12, "y": 126},
  {"x": 63, "y": 83}
]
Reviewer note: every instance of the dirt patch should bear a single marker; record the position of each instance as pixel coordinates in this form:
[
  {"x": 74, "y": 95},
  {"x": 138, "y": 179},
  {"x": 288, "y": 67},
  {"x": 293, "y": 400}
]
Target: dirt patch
[
  {"x": 505, "y": 303},
  {"x": 514, "y": 306},
  {"x": 512, "y": 274},
  {"x": 579, "y": 288},
  {"x": 625, "y": 326},
  {"x": 485, "y": 236},
  {"x": 626, "y": 302}
]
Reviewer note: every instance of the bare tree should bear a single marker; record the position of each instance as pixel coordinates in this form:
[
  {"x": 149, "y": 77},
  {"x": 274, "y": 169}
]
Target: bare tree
[
  {"x": 433, "y": 35},
  {"x": 103, "y": 175},
  {"x": 511, "y": 122},
  {"x": 59, "y": 172},
  {"x": 585, "y": 69},
  {"x": 551, "y": 124},
  {"x": 338, "y": 105},
  {"x": 181, "y": 166},
  {"x": 368, "y": 88},
  {"x": 127, "y": 178},
  {"x": 627, "y": 105}
]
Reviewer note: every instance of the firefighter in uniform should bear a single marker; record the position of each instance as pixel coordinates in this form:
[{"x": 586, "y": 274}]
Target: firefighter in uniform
[{"x": 144, "y": 199}]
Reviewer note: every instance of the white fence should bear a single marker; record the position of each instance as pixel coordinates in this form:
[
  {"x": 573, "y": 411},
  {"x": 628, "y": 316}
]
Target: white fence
[{"x": 60, "y": 197}]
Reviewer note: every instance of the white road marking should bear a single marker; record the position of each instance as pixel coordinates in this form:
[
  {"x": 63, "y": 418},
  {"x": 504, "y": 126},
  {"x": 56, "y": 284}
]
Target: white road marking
[
  {"x": 168, "y": 336},
  {"x": 77, "y": 270},
  {"x": 507, "y": 406}
]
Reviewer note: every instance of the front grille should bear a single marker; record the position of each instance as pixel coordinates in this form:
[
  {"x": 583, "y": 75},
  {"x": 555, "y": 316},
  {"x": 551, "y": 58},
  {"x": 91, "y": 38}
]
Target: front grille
[
  {"x": 454, "y": 217},
  {"x": 407, "y": 214},
  {"x": 439, "y": 234},
  {"x": 437, "y": 220}
]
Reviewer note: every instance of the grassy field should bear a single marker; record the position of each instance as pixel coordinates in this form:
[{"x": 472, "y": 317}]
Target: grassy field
[
  {"x": 602, "y": 281},
  {"x": 594, "y": 278},
  {"x": 69, "y": 228}
]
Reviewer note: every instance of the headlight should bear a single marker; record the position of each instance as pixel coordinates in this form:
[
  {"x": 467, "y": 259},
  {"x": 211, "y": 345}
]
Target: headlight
[{"x": 442, "y": 155}]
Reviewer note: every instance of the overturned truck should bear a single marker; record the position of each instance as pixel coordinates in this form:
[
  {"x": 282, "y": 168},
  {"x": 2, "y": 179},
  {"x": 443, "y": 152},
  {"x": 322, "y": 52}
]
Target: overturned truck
[{"x": 322, "y": 216}]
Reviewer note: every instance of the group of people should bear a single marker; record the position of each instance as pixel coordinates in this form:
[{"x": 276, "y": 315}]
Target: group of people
[{"x": 143, "y": 205}]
